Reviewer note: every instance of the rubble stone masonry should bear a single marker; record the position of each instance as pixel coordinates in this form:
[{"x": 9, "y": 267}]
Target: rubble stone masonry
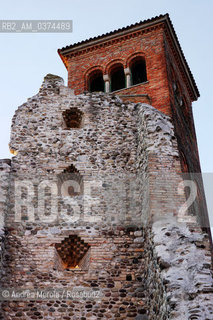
[{"x": 144, "y": 259}]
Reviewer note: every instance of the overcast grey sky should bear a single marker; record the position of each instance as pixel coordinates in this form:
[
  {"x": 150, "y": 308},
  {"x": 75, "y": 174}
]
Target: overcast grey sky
[{"x": 27, "y": 58}]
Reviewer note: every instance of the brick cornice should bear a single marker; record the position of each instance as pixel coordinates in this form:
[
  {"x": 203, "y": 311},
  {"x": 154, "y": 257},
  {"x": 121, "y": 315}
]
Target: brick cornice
[
  {"x": 120, "y": 33},
  {"x": 104, "y": 43}
]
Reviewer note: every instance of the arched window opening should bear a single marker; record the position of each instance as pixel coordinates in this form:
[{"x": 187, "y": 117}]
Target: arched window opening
[
  {"x": 138, "y": 71},
  {"x": 96, "y": 82},
  {"x": 73, "y": 118},
  {"x": 117, "y": 78},
  {"x": 70, "y": 182}
]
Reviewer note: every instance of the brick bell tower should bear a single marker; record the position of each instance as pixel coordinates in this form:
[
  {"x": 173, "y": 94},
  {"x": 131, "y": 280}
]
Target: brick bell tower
[
  {"x": 141, "y": 63},
  {"x": 144, "y": 63}
]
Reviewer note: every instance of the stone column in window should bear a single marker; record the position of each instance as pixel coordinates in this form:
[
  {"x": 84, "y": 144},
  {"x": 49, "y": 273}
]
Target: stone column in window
[
  {"x": 106, "y": 81},
  {"x": 128, "y": 77}
]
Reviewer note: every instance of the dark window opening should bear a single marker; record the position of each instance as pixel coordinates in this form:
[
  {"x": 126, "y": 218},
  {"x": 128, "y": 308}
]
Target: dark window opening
[
  {"x": 73, "y": 253},
  {"x": 117, "y": 78},
  {"x": 73, "y": 118},
  {"x": 70, "y": 182},
  {"x": 138, "y": 71},
  {"x": 96, "y": 82}
]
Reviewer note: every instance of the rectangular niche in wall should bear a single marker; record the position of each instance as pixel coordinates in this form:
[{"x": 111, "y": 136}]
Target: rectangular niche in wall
[
  {"x": 73, "y": 118},
  {"x": 72, "y": 253},
  {"x": 70, "y": 182}
]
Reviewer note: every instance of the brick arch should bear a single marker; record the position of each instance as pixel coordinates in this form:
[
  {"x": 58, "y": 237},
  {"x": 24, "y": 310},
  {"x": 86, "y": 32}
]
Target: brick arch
[
  {"x": 112, "y": 64},
  {"x": 138, "y": 54},
  {"x": 89, "y": 72}
]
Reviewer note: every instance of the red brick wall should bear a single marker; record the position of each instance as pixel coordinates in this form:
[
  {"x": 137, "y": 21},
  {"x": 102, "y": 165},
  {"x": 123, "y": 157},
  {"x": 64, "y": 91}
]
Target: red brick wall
[{"x": 149, "y": 44}]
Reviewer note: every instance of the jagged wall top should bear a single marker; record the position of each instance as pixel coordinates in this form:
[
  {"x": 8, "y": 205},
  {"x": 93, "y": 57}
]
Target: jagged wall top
[{"x": 109, "y": 133}]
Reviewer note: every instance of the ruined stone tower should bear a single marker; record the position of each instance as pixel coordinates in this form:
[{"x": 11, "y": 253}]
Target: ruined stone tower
[{"x": 96, "y": 222}]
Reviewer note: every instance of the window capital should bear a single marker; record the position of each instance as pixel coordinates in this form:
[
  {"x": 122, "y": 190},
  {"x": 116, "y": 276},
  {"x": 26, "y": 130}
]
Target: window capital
[
  {"x": 127, "y": 71},
  {"x": 106, "y": 77}
]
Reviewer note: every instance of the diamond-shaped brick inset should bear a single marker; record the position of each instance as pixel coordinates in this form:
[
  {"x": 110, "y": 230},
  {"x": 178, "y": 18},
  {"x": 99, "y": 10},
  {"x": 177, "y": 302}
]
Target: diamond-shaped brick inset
[{"x": 72, "y": 251}]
